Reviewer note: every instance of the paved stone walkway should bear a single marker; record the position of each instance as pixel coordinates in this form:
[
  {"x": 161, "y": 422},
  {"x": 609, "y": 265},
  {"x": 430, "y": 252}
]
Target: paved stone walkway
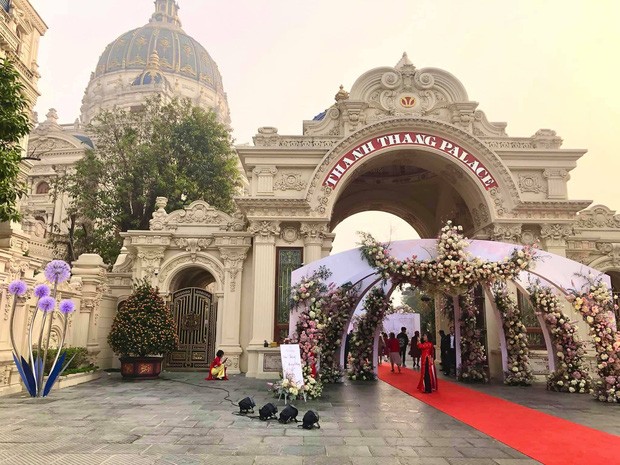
[{"x": 178, "y": 420}]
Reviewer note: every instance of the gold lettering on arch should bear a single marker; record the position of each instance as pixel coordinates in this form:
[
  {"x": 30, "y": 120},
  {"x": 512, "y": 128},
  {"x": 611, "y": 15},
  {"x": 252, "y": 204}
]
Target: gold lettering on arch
[{"x": 446, "y": 146}]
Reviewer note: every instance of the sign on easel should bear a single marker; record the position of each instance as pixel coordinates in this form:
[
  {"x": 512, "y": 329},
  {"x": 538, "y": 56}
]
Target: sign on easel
[{"x": 291, "y": 363}]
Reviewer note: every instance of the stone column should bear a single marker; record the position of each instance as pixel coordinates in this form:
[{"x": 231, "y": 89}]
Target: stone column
[
  {"x": 233, "y": 258},
  {"x": 92, "y": 271},
  {"x": 313, "y": 234},
  {"x": 265, "y": 233},
  {"x": 554, "y": 237},
  {"x": 264, "y": 256}
]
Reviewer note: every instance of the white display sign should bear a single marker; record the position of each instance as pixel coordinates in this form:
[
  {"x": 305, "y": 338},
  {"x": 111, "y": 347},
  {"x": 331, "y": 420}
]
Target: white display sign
[
  {"x": 395, "y": 321},
  {"x": 291, "y": 363}
]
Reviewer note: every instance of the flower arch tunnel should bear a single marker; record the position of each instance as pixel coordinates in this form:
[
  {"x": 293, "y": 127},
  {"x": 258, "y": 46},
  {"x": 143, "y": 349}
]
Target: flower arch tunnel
[{"x": 550, "y": 270}]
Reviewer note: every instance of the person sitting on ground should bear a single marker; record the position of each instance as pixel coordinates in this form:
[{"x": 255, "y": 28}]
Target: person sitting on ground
[
  {"x": 217, "y": 370},
  {"x": 394, "y": 347}
]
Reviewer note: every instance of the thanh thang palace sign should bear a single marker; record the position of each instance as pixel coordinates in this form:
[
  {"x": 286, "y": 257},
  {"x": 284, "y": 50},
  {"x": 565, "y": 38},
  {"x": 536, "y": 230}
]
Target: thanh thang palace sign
[{"x": 409, "y": 139}]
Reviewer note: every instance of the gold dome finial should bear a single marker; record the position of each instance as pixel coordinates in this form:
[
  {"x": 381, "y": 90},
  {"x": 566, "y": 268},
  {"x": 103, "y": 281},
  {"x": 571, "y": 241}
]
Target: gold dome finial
[
  {"x": 153, "y": 62},
  {"x": 342, "y": 94}
]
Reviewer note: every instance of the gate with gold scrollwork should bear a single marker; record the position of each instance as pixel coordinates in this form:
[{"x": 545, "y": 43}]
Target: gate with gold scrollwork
[{"x": 195, "y": 316}]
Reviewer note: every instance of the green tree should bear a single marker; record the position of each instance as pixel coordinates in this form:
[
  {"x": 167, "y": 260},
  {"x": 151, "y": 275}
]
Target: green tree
[
  {"x": 422, "y": 304},
  {"x": 14, "y": 125},
  {"x": 171, "y": 150}
]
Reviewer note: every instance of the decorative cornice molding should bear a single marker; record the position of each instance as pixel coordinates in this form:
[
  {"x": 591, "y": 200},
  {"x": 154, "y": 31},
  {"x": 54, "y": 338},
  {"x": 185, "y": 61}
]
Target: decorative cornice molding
[
  {"x": 314, "y": 230},
  {"x": 506, "y": 232},
  {"x": 264, "y": 228},
  {"x": 557, "y": 231},
  {"x": 289, "y": 181}
]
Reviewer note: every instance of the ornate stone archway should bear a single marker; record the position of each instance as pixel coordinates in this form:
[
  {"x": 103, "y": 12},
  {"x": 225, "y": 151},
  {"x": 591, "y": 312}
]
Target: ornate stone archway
[{"x": 472, "y": 167}]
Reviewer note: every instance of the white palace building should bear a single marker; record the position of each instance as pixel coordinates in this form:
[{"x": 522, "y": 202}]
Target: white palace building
[{"x": 404, "y": 140}]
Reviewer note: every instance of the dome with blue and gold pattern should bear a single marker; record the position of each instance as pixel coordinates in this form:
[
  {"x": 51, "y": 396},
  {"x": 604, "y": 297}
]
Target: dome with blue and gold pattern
[
  {"x": 158, "y": 57},
  {"x": 178, "y": 52}
]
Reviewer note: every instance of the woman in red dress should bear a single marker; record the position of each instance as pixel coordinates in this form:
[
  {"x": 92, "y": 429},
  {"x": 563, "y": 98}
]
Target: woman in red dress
[
  {"x": 217, "y": 370},
  {"x": 428, "y": 375}
]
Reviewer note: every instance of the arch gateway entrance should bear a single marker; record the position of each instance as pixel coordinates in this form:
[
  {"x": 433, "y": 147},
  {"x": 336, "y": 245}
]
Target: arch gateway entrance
[{"x": 403, "y": 140}]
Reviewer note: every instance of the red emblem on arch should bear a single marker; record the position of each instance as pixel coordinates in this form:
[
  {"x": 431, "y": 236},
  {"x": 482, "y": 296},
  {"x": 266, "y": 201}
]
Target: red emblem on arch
[{"x": 407, "y": 101}]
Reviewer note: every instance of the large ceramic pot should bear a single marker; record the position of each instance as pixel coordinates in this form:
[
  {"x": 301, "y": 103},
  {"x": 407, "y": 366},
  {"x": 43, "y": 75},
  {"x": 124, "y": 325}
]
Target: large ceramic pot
[{"x": 137, "y": 368}]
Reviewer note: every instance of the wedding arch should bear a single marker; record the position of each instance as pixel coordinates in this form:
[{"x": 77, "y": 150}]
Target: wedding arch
[{"x": 452, "y": 266}]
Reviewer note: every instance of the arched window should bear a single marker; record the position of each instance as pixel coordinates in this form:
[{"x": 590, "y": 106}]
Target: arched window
[{"x": 43, "y": 188}]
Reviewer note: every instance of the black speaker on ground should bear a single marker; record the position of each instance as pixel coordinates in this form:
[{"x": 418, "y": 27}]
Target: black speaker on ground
[
  {"x": 246, "y": 405},
  {"x": 288, "y": 414},
  {"x": 310, "y": 420},
  {"x": 267, "y": 412}
]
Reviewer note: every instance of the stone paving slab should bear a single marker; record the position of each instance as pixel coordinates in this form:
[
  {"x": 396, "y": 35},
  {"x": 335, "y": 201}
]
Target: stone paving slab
[{"x": 181, "y": 420}]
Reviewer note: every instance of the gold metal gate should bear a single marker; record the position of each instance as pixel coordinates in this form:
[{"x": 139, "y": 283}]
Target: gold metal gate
[{"x": 195, "y": 316}]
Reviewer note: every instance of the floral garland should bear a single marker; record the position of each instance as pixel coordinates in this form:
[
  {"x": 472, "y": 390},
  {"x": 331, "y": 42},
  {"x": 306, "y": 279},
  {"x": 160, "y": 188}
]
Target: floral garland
[
  {"x": 453, "y": 271},
  {"x": 572, "y": 373},
  {"x": 473, "y": 357},
  {"x": 309, "y": 293},
  {"x": 362, "y": 353},
  {"x": 519, "y": 370},
  {"x": 597, "y": 306},
  {"x": 337, "y": 309}
]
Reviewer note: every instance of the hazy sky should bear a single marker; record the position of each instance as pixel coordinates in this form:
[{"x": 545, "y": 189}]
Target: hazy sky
[{"x": 533, "y": 64}]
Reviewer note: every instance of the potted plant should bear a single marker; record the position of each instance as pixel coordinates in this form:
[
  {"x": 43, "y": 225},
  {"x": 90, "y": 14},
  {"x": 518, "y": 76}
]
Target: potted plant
[{"x": 143, "y": 331}]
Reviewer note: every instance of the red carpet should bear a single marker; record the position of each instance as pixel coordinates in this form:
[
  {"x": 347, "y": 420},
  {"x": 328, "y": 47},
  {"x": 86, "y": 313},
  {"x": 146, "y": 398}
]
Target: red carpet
[{"x": 543, "y": 437}]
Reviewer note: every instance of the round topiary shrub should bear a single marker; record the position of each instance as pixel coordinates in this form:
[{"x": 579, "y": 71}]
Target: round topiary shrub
[{"x": 143, "y": 325}]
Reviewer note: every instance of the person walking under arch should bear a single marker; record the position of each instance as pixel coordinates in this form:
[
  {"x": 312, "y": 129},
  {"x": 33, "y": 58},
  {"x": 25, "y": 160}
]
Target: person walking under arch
[
  {"x": 403, "y": 341},
  {"x": 381, "y": 348},
  {"x": 415, "y": 351},
  {"x": 386, "y": 349},
  {"x": 394, "y": 347},
  {"x": 428, "y": 375}
]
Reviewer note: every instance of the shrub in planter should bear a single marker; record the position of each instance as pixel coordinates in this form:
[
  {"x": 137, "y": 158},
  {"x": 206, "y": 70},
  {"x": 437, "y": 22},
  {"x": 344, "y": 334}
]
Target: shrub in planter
[
  {"x": 79, "y": 360},
  {"x": 143, "y": 330}
]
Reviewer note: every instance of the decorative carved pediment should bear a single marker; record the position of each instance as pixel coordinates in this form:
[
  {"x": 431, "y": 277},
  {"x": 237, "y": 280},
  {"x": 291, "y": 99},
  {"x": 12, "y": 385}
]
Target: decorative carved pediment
[
  {"x": 403, "y": 91},
  {"x": 198, "y": 213},
  {"x": 598, "y": 216}
]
